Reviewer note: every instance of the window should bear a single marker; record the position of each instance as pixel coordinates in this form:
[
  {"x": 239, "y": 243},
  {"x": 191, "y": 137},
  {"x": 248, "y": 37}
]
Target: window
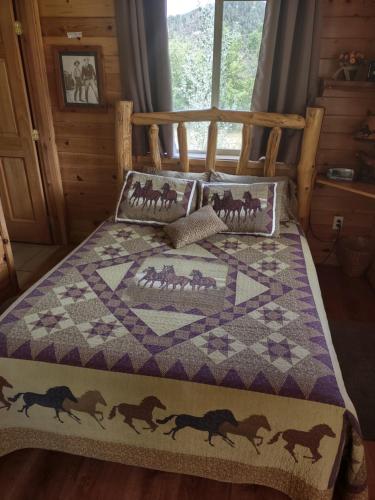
[{"x": 214, "y": 50}]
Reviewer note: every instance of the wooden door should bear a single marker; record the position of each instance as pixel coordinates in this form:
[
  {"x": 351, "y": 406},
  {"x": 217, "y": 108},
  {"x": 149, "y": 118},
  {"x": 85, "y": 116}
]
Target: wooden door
[
  {"x": 8, "y": 278},
  {"x": 21, "y": 188}
]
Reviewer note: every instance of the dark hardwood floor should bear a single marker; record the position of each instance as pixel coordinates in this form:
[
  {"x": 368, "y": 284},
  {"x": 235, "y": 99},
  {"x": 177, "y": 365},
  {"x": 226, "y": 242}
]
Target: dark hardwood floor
[
  {"x": 42, "y": 475},
  {"x": 346, "y": 298}
]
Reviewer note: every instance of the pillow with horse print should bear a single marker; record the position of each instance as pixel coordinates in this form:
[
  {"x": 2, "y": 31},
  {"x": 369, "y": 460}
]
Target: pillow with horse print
[
  {"x": 154, "y": 199},
  {"x": 286, "y": 188},
  {"x": 244, "y": 208}
]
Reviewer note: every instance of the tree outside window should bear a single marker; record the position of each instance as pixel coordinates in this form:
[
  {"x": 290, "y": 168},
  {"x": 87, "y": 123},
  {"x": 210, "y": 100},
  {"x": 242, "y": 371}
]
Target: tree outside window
[{"x": 214, "y": 51}]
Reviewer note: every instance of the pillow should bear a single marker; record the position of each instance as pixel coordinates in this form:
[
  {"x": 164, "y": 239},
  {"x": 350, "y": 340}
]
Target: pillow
[
  {"x": 194, "y": 176},
  {"x": 201, "y": 224},
  {"x": 191, "y": 176},
  {"x": 245, "y": 208},
  {"x": 286, "y": 189},
  {"x": 154, "y": 199}
]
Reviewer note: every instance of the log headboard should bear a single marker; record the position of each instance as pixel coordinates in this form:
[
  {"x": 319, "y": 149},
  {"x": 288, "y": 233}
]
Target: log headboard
[{"x": 311, "y": 125}]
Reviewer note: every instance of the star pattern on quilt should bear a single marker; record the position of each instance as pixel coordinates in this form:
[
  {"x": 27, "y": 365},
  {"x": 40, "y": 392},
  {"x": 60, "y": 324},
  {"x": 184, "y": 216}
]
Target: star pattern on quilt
[
  {"x": 269, "y": 266},
  {"x": 124, "y": 234},
  {"x": 218, "y": 345},
  {"x": 231, "y": 245},
  {"x": 48, "y": 321},
  {"x": 102, "y": 330},
  {"x": 76, "y": 292},
  {"x": 273, "y": 316},
  {"x": 269, "y": 246},
  {"x": 280, "y": 351},
  {"x": 111, "y": 251}
]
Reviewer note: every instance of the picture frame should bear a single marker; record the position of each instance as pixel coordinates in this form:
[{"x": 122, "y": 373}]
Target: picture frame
[{"x": 79, "y": 77}]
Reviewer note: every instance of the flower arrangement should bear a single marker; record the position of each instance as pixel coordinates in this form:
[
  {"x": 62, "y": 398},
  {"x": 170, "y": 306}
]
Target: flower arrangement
[
  {"x": 352, "y": 58},
  {"x": 350, "y": 62}
]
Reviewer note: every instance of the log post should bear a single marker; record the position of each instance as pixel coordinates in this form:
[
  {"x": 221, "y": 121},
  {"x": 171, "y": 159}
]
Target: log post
[
  {"x": 182, "y": 146},
  {"x": 154, "y": 146},
  {"x": 211, "y": 147},
  {"x": 245, "y": 149},
  {"x": 123, "y": 132},
  {"x": 271, "y": 153},
  {"x": 306, "y": 165}
]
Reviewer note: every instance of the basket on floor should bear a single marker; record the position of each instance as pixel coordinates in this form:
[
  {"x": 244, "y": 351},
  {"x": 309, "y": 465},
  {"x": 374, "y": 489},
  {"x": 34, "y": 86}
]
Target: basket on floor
[{"x": 354, "y": 253}]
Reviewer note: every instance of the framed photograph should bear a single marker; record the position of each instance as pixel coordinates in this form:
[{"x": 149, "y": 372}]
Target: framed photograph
[{"x": 79, "y": 77}]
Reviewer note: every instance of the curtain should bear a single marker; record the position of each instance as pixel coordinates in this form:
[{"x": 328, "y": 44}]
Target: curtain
[
  {"x": 287, "y": 75},
  {"x": 144, "y": 64}
]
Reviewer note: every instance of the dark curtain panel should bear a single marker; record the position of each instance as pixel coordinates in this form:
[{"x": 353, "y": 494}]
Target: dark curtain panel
[
  {"x": 287, "y": 76},
  {"x": 144, "y": 64}
]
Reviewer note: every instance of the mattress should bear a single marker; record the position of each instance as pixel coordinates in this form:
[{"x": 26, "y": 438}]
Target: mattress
[{"x": 213, "y": 360}]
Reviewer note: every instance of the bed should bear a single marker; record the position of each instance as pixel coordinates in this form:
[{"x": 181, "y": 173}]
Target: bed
[{"x": 237, "y": 382}]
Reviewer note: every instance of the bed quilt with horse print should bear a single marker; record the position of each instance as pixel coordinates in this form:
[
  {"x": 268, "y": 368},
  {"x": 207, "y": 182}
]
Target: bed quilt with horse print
[{"x": 214, "y": 359}]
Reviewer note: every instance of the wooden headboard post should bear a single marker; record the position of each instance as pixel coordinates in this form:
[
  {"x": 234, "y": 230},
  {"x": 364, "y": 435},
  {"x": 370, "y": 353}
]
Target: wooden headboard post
[
  {"x": 124, "y": 111},
  {"x": 306, "y": 165},
  {"x": 311, "y": 125}
]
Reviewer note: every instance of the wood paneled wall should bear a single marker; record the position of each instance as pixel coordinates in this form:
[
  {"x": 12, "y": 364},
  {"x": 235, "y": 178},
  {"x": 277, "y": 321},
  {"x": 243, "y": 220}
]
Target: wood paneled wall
[
  {"x": 85, "y": 140},
  {"x": 347, "y": 25}
]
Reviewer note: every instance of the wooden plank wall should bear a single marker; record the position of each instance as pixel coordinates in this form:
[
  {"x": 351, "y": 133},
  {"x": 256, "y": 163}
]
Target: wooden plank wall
[
  {"x": 347, "y": 25},
  {"x": 85, "y": 140}
]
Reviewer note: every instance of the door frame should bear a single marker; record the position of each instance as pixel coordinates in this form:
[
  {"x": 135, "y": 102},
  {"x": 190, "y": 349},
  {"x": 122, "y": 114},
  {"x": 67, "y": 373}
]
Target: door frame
[
  {"x": 32, "y": 50},
  {"x": 13, "y": 287}
]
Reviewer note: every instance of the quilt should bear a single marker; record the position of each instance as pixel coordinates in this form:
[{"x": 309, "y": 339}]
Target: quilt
[{"x": 214, "y": 359}]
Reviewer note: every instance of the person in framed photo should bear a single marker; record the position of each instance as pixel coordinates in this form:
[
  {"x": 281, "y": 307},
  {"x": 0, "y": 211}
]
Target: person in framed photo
[
  {"x": 77, "y": 75},
  {"x": 89, "y": 79}
]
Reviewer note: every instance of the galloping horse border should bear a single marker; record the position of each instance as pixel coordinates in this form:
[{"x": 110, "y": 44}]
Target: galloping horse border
[
  {"x": 307, "y": 439},
  {"x": 143, "y": 411}
]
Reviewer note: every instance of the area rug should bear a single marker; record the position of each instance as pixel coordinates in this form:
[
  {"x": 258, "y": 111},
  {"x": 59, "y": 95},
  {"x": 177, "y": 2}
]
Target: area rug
[{"x": 355, "y": 347}]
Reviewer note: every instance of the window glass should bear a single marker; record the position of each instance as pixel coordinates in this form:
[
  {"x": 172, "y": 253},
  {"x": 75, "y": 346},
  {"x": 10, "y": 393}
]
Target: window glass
[
  {"x": 191, "y": 29},
  {"x": 241, "y": 37},
  {"x": 191, "y": 38}
]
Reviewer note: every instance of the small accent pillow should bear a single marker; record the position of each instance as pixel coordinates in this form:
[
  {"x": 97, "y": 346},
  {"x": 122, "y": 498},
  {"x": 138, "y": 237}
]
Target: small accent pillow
[
  {"x": 197, "y": 226},
  {"x": 154, "y": 199},
  {"x": 245, "y": 208},
  {"x": 286, "y": 188}
]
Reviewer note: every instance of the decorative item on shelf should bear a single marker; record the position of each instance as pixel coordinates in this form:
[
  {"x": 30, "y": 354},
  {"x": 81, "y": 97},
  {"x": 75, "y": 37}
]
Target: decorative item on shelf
[
  {"x": 367, "y": 130},
  {"x": 341, "y": 174},
  {"x": 350, "y": 63},
  {"x": 371, "y": 71},
  {"x": 79, "y": 77},
  {"x": 367, "y": 169}
]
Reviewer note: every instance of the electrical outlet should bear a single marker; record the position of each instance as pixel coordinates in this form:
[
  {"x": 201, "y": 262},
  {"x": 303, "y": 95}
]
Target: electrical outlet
[{"x": 338, "y": 222}]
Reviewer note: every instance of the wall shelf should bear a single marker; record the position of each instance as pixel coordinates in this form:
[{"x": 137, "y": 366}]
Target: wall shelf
[
  {"x": 344, "y": 88},
  {"x": 360, "y": 188}
]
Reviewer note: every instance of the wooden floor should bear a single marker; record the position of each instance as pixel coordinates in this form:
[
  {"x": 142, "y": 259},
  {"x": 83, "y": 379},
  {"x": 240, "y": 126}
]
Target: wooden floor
[
  {"x": 42, "y": 475},
  {"x": 29, "y": 258}
]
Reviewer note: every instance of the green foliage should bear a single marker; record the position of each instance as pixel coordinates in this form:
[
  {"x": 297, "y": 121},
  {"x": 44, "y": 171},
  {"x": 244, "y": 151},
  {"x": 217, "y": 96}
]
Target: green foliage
[{"x": 191, "y": 51}]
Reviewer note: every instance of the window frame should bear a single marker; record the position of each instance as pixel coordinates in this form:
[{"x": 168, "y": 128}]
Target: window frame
[{"x": 215, "y": 81}]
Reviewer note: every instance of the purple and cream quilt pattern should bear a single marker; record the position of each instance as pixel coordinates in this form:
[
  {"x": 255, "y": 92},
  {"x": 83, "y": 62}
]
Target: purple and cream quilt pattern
[{"x": 234, "y": 315}]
